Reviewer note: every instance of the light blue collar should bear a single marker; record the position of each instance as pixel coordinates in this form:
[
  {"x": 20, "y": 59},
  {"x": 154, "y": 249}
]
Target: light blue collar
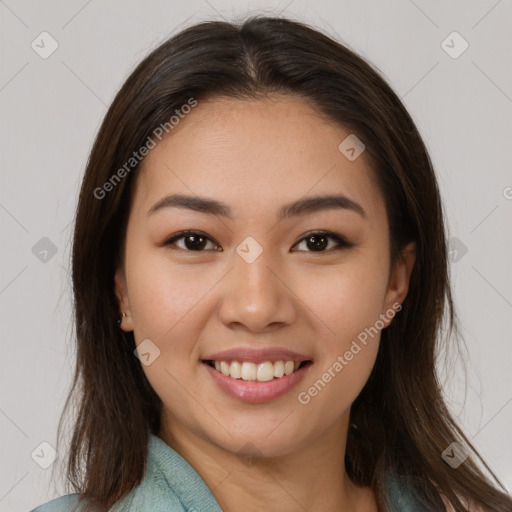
[{"x": 181, "y": 477}]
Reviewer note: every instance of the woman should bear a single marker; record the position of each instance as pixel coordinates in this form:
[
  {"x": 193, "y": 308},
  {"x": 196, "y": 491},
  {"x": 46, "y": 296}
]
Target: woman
[{"x": 260, "y": 279}]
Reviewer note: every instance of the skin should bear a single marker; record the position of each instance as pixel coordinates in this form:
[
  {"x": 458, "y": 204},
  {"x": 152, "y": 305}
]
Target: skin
[{"x": 256, "y": 156}]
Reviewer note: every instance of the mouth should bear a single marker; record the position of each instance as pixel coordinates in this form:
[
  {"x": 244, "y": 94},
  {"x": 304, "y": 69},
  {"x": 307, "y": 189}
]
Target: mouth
[
  {"x": 256, "y": 383},
  {"x": 265, "y": 371}
]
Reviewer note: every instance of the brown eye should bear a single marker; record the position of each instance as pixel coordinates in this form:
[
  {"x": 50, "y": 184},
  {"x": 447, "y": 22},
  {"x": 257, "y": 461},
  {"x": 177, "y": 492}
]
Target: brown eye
[
  {"x": 319, "y": 241},
  {"x": 193, "y": 241}
]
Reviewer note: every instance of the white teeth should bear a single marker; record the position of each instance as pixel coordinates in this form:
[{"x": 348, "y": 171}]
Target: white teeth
[
  {"x": 288, "y": 367},
  {"x": 265, "y": 372},
  {"x": 278, "y": 369},
  {"x": 235, "y": 370},
  {"x": 224, "y": 368},
  {"x": 262, "y": 372},
  {"x": 248, "y": 371}
]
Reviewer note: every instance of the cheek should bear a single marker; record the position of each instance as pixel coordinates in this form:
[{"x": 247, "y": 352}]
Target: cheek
[
  {"x": 345, "y": 299},
  {"x": 349, "y": 342},
  {"x": 347, "y": 303},
  {"x": 162, "y": 295},
  {"x": 168, "y": 307}
]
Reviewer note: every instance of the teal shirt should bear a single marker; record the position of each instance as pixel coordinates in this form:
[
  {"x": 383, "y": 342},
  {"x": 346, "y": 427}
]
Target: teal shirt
[{"x": 171, "y": 484}]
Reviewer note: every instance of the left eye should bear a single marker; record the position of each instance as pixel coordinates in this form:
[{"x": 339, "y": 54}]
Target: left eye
[
  {"x": 196, "y": 241},
  {"x": 319, "y": 241}
]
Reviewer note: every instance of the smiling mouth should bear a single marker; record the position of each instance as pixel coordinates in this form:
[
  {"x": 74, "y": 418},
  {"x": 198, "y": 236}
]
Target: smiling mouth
[{"x": 262, "y": 372}]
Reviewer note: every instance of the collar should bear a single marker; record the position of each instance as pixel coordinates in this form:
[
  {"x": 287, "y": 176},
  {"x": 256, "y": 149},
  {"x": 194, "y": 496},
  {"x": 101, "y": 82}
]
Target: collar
[{"x": 181, "y": 477}]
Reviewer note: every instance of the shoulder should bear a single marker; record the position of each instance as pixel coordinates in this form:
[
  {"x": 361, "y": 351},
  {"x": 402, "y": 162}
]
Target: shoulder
[
  {"x": 147, "y": 497},
  {"x": 68, "y": 503},
  {"x": 144, "y": 498},
  {"x": 153, "y": 494},
  {"x": 169, "y": 484}
]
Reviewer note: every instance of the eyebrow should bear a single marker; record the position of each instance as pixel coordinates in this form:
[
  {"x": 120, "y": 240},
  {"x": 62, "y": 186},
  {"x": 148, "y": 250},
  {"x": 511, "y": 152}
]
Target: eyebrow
[{"x": 300, "y": 207}]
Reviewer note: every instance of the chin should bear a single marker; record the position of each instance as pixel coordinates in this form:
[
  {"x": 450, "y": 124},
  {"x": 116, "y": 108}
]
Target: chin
[{"x": 259, "y": 440}]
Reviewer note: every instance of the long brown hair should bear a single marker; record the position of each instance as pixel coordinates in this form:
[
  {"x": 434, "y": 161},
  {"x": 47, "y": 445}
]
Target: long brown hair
[{"x": 403, "y": 424}]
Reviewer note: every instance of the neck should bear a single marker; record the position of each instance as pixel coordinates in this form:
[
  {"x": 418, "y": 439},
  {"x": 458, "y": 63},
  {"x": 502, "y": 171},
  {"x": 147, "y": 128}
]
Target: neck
[{"x": 312, "y": 478}]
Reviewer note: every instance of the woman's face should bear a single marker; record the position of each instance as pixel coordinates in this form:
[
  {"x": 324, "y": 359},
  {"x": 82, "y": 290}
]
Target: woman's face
[{"x": 258, "y": 282}]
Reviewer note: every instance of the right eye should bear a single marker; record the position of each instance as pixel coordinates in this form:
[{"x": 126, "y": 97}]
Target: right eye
[{"x": 194, "y": 241}]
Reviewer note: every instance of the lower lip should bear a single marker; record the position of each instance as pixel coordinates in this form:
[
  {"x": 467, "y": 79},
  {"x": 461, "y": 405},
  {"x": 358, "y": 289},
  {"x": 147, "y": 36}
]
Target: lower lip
[{"x": 254, "y": 391}]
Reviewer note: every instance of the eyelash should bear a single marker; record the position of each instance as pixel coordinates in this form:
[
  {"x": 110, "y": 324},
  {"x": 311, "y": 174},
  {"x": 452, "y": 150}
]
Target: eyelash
[{"x": 342, "y": 243}]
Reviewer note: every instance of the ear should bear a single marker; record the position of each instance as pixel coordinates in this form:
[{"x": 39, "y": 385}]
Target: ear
[
  {"x": 399, "y": 278},
  {"x": 121, "y": 291}
]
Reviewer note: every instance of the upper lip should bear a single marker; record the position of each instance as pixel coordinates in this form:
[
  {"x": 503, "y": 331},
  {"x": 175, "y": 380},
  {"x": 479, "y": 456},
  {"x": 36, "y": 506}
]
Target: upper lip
[{"x": 257, "y": 356}]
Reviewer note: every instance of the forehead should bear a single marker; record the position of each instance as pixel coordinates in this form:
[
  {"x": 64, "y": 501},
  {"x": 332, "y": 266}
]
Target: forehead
[{"x": 255, "y": 155}]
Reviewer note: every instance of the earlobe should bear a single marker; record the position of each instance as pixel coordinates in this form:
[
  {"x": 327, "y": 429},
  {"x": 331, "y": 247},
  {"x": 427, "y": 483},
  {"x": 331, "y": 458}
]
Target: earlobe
[
  {"x": 121, "y": 292},
  {"x": 399, "y": 279}
]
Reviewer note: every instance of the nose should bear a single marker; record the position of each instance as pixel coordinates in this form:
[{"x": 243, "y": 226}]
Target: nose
[{"x": 256, "y": 296}]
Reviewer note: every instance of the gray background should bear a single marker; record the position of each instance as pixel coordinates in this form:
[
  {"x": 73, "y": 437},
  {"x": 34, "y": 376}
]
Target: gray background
[{"x": 51, "y": 109}]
